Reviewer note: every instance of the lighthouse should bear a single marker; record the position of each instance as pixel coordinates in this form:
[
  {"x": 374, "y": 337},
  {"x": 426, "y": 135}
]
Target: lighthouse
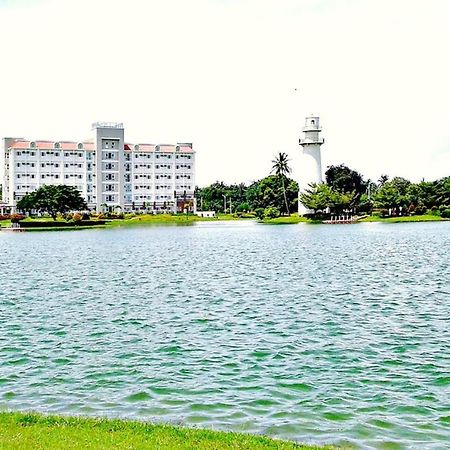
[{"x": 311, "y": 164}]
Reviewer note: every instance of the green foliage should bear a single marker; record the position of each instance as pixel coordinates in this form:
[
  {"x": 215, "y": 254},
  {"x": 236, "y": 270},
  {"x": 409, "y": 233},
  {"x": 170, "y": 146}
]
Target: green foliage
[
  {"x": 271, "y": 212},
  {"x": 343, "y": 179},
  {"x": 270, "y": 191},
  {"x": 259, "y": 213},
  {"x": 53, "y": 199},
  {"x": 320, "y": 197},
  {"x": 445, "y": 213},
  {"x": 282, "y": 170}
]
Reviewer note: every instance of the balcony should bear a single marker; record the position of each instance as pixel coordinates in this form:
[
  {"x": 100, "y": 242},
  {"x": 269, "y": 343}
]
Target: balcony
[{"x": 318, "y": 140}]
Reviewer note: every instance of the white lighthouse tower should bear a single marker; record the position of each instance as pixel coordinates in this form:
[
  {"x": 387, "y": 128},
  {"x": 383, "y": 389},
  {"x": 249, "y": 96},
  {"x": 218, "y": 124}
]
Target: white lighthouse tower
[{"x": 311, "y": 163}]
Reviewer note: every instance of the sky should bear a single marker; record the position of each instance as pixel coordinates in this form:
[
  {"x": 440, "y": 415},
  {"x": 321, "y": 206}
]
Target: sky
[{"x": 236, "y": 78}]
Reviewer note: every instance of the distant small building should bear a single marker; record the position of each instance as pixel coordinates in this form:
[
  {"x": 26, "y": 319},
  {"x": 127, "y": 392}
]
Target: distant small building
[{"x": 206, "y": 213}]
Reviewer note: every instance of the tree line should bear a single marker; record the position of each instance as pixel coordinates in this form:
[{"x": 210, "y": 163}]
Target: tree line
[{"x": 345, "y": 191}]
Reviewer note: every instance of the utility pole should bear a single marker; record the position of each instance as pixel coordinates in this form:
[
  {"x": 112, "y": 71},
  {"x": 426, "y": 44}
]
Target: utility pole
[
  {"x": 231, "y": 212},
  {"x": 224, "y": 203}
]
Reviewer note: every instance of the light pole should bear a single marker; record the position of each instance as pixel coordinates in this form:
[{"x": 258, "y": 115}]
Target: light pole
[{"x": 224, "y": 203}]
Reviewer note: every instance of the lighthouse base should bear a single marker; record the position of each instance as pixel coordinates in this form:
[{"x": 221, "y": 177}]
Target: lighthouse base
[{"x": 303, "y": 210}]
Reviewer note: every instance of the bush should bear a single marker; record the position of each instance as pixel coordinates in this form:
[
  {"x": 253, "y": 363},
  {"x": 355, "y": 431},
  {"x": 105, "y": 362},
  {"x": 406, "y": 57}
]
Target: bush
[
  {"x": 259, "y": 213},
  {"x": 76, "y": 217},
  {"x": 271, "y": 212},
  {"x": 384, "y": 213},
  {"x": 420, "y": 210},
  {"x": 16, "y": 217},
  {"x": 446, "y": 213},
  {"x": 435, "y": 211}
]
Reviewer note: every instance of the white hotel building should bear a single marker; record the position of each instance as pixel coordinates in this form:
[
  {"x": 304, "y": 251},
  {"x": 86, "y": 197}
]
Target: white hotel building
[{"x": 110, "y": 174}]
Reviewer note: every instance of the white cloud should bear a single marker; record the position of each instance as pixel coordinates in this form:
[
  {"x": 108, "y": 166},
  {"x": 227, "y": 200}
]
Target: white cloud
[{"x": 222, "y": 73}]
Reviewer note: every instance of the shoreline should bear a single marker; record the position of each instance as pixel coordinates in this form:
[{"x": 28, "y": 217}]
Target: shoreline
[
  {"x": 32, "y": 430},
  {"x": 182, "y": 220}
]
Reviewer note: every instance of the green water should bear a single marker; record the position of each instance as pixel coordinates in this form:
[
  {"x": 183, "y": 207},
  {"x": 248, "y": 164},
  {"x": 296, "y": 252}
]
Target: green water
[{"x": 337, "y": 334}]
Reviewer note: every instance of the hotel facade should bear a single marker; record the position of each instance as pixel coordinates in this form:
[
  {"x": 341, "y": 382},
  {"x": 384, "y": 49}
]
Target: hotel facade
[{"x": 110, "y": 174}]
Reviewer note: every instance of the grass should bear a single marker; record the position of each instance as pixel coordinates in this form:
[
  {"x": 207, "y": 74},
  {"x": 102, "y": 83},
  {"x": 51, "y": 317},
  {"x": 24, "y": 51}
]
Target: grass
[
  {"x": 180, "y": 219},
  {"x": 284, "y": 220},
  {"x": 142, "y": 219},
  {"x": 423, "y": 218},
  {"x": 34, "y": 431}
]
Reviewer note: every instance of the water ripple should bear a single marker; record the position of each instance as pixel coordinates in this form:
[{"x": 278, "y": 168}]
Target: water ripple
[{"x": 320, "y": 334}]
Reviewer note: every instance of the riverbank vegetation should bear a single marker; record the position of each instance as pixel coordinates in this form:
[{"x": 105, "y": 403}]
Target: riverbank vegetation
[
  {"x": 34, "y": 431},
  {"x": 271, "y": 199},
  {"x": 344, "y": 192}
]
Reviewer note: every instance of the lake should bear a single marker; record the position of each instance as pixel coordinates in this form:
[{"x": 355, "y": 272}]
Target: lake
[{"x": 325, "y": 334}]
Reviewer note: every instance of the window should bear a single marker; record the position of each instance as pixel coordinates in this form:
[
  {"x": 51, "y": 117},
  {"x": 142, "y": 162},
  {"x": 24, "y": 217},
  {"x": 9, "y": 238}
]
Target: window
[
  {"x": 57, "y": 145},
  {"x": 80, "y": 146}
]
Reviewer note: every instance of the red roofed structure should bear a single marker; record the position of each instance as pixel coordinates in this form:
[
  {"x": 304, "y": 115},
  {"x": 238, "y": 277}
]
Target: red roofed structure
[{"x": 111, "y": 174}]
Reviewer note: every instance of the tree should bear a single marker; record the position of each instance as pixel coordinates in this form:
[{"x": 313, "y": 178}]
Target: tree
[
  {"x": 317, "y": 197},
  {"x": 383, "y": 179},
  {"x": 393, "y": 194},
  {"x": 53, "y": 199},
  {"x": 282, "y": 170},
  {"x": 344, "y": 180}
]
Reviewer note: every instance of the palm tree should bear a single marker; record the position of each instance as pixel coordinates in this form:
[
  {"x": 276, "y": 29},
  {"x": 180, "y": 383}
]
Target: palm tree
[{"x": 281, "y": 169}]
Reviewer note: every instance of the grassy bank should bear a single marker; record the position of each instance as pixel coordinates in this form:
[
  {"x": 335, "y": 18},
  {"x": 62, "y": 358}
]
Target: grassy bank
[
  {"x": 34, "y": 431},
  {"x": 142, "y": 219},
  {"x": 423, "y": 218},
  {"x": 284, "y": 220},
  {"x": 180, "y": 219}
]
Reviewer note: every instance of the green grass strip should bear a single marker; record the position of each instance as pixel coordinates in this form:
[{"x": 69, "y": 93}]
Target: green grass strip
[{"x": 34, "y": 431}]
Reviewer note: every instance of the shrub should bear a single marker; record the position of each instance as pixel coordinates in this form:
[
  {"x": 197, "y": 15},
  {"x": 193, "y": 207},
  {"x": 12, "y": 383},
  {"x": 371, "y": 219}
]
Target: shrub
[
  {"x": 435, "y": 211},
  {"x": 420, "y": 210},
  {"x": 384, "y": 213},
  {"x": 446, "y": 213},
  {"x": 259, "y": 213},
  {"x": 76, "y": 217},
  {"x": 271, "y": 212},
  {"x": 16, "y": 217}
]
